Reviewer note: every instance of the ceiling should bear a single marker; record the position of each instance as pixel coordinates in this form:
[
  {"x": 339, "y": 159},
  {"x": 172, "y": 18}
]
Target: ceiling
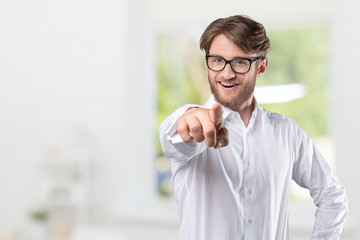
[{"x": 165, "y": 15}]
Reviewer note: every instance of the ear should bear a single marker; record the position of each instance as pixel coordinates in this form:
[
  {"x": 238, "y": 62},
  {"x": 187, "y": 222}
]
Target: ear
[{"x": 262, "y": 67}]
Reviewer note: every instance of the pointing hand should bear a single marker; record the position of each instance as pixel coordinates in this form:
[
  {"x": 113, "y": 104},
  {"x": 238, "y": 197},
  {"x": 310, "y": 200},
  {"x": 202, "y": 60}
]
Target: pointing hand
[{"x": 198, "y": 124}]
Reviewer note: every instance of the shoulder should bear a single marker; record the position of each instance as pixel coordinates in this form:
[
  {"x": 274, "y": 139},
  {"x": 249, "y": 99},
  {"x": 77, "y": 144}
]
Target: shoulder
[
  {"x": 276, "y": 117},
  {"x": 286, "y": 127},
  {"x": 282, "y": 121}
]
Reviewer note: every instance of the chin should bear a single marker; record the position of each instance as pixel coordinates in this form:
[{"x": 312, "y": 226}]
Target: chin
[
  {"x": 235, "y": 99},
  {"x": 229, "y": 102}
]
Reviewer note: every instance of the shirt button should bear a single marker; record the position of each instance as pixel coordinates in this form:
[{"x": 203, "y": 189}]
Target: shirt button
[
  {"x": 250, "y": 191},
  {"x": 235, "y": 116},
  {"x": 248, "y": 163},
  {"x": 250, "y": 221}
]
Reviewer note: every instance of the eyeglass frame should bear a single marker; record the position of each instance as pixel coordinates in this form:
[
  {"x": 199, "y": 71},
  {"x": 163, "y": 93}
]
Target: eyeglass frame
[{"x": 229, "y": 62}]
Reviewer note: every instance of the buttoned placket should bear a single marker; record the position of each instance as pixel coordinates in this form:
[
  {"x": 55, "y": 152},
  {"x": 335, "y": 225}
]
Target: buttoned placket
[
  {"x": 247, "y": 169},
  {"x": 249, "y": 191},
  {"x": 248, "y": 179}
]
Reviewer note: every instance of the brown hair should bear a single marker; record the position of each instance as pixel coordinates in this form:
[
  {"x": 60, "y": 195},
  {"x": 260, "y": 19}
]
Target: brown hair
[{"x": 247, "y": 34}]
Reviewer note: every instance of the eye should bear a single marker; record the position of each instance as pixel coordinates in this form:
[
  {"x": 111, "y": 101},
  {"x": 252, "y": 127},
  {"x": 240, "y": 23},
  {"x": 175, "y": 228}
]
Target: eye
[
  {"x": 217, "y": 59},
  {"x": 239, "y": 61}
]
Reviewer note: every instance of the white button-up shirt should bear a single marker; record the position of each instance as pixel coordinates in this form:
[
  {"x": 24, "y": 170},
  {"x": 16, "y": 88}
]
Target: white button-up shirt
[{"x": 242, "y": 191}]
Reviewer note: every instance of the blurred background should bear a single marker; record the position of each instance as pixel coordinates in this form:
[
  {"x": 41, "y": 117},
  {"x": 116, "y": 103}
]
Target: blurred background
[{"x": 84, "y": 86}]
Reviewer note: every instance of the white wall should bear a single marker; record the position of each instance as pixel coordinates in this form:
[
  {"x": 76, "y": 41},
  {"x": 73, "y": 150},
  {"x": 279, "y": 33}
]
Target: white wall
[
  {"x": 75, "y": 75},
  {"x": 346, "y": 105}
]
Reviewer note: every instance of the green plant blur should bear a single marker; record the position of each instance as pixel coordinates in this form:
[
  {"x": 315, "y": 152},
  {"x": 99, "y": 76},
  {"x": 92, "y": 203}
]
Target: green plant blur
[
  {"x": 301, "y": 56},
  {"x": 296, "y": 56}
]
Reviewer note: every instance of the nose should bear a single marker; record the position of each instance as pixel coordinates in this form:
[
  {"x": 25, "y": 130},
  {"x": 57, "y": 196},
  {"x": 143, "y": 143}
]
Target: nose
[{"x": 227, "y": 72}]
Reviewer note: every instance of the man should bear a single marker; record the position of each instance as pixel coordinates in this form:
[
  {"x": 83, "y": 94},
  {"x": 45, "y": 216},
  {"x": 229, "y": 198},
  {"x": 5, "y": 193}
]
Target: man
[{"x": 232, "y": 161}]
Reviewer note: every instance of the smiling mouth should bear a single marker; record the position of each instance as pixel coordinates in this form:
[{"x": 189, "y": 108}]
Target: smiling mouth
[{"x": 228, "y": 85}]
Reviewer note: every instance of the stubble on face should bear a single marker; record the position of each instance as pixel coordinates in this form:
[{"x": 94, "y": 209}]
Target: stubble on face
[{"x": 246, "y": 92}]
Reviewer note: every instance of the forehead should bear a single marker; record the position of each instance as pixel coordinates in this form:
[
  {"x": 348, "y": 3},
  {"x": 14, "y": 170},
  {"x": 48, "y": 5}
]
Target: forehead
[{"x": 223, "y": 46}]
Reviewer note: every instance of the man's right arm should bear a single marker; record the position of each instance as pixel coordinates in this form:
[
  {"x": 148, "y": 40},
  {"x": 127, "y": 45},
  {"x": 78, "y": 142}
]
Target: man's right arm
[{"x": 190, "y": 130}]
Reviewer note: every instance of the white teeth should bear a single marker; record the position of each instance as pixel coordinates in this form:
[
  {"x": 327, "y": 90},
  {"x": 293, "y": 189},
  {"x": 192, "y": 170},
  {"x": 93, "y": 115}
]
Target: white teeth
[{"x": 227, "y": 84}]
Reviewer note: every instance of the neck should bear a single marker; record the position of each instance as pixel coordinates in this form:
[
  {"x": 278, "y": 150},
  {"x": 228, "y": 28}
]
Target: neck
[{"x": 246, "y": 110}]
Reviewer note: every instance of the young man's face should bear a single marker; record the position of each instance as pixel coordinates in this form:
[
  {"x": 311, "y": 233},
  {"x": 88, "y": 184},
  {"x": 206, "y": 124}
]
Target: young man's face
[{"x": 229, "y": 88}]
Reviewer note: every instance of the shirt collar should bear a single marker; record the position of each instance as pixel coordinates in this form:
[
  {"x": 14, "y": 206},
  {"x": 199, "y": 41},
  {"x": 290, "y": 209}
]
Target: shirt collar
[
  {"x": 227, "y": 111},
  {"x": 211, "y": 101}
]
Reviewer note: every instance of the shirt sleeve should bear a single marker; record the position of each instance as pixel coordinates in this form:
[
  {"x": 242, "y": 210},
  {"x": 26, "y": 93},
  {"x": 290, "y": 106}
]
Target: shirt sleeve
[
  {"x": 311, "y": 171},
  {"x": 173, "y": 147}
]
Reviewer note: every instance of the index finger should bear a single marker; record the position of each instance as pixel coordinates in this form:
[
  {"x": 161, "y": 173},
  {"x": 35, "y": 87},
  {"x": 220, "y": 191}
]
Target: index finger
[{"x": 216, "y": 113}]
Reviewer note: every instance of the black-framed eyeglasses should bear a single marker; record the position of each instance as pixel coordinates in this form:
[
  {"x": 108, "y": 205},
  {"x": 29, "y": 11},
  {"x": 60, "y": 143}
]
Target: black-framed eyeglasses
[{"x": 239, "y": 65}]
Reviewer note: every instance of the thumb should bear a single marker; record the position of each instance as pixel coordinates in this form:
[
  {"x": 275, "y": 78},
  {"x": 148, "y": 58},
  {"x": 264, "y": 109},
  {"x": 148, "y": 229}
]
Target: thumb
[{"x": 222, "y": 138}]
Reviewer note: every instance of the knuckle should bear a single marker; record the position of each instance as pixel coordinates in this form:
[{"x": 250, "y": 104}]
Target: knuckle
[
  {"x": 186, "y": 137},
  {"x": 199, "y": 138},
  {"x": 209, "y": 132},
  {"x": 195, "y": 129},
  {"x": 181, "y": 123},
  {"x": 181, "y": 130}
]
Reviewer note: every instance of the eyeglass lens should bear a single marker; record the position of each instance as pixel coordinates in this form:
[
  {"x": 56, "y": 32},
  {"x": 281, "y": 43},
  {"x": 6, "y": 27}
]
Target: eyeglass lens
[{"x": 238, "y": 65}]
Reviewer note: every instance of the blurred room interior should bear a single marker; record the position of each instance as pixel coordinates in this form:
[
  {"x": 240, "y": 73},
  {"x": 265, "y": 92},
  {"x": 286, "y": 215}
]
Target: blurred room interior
[{"x": 84, "y": 85}]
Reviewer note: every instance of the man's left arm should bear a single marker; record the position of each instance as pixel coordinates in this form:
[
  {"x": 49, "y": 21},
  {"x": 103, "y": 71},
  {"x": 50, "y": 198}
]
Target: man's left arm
[{"x": 311, "y": 171}]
